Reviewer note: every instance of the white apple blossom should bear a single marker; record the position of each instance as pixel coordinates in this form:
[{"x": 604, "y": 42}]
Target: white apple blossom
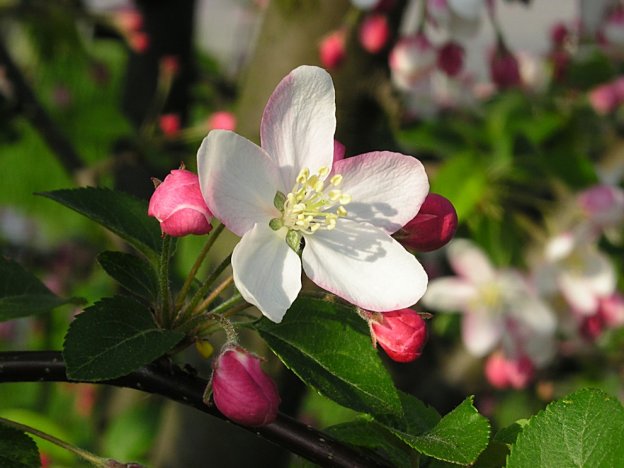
[
  {"x": 286, "y": 194},
  {"x": 498, "y": 306},
  {"x": 574, "y": 267}
]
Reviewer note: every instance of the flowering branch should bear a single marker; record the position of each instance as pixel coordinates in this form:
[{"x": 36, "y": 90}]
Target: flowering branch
[{"x": 167, "y": 379}]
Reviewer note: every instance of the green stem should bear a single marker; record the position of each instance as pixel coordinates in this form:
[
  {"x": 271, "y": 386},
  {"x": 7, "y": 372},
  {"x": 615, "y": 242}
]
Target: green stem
[
  {"x": 205, "y": 288},
  {"x": 214, "y": 294},
  {"x": 164, "y": 317},
  {"x": 200, "y": 259},
  {"x": 232, "y": 305},
  {"x": 88, "y": 456}
]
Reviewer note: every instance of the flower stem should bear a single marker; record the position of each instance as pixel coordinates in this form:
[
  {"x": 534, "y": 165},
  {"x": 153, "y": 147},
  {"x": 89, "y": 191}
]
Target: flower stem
[
  {"x": 88, "y": 456},
  {"x": 187, "y": 312},
  {"x": 214, "y": 294},
  {"x": 200, "y": 259},
  {"x": 164, "y": 317}
]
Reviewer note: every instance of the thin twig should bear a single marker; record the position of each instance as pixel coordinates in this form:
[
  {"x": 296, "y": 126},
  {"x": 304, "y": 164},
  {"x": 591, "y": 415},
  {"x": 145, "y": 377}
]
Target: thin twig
[{"x": 166, "y": 379}]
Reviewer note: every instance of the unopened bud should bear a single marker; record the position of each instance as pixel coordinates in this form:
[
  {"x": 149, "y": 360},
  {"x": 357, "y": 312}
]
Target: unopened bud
[
  {"x": 332, "y": 49},
  {"x": 401, "y": 333},
  {"x": 179, "y": 206},
  {"x": 502, "y": 372},
  {"x": 504, "y": 69},
  {"x": 241, "y": 390},
  {"x": 374, "y": 33},
  {"x": 451, "y": 58},
  {"x": 433, "y": 226}
]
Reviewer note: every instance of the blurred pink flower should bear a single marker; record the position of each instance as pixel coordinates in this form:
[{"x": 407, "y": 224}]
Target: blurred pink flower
[
  {"x": 497, "y": 305},
  {"x": 374, "y": 33},
  {"x": 332, "y": 49},
  {"x": 222, "y": 120}
]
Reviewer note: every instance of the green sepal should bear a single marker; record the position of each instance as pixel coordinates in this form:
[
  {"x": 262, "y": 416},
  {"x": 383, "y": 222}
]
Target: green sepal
[
  {"x": 293, "y": 239},
  {"x": 276, "y": 224},
  {"x": 279, "y": 200}
]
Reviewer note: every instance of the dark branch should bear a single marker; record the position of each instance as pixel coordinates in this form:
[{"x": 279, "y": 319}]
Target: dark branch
[
  {"x": 34, "y": 112},
  {"x": 167, "y": 379}
]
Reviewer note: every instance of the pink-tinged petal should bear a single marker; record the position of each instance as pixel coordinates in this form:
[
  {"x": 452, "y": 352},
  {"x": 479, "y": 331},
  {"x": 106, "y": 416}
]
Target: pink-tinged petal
[
  {"x": 267, "y": 272},
  {"x": 238, "y": 180},
  {"x": 365, "y": 266},
  {"x": 386, "y": 188},
  {"x": 481, "y": 332},
  {"x": 449, "y": 294},
  {"x": 469, "y": 261},
  {"x": 299, "y": 122},
  {"x": 534, "y": 313}
]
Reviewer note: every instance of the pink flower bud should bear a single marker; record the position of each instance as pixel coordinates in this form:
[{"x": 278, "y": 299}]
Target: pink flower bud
[
  {"x": 451, "y": 58},
  {"x": 339, "y": 150},
  {"x": 502, "y": 372},
  {"x": 139, "y": 41},
  {"x": 222, "y": 120},
  {"x": 603, "y": 99},
  {"x": 432, "y": 227},
  {"x": 169, "y": 124},
  {"x": 332, "y": 49},
  {"x": 177, "y": 203},
  {"x": 559, "y": 34},
  {"x": 603, "y": 204},
  {"x": 504, "y": 69},
  {"x": 611, "y": 309},
  {"x": 401, "y": 333},
  {"x": 592, "y": 327},
  {"x": 374, "y": 33},
  {"x": 128, "y": 19},
  {"x": 241, "y": 390}
]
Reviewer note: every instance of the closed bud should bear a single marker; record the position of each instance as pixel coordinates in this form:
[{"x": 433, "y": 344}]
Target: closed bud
[
  {"x": 169, "y": 124},
  {"x": 451, "y": 58},
  {"x": 433, "y": 226},
  {"x": 177, "y": 203},
  {"x": 332, "y": 49},
  {"x": 603, "y": 99},
  {"x": 611, "y": 310},
  {"x": 504, "y": 69},
  {"x": 241, "y": 390},
  {"x": 222, "y": 120},
  {"x": 401, "y": 333},
  {"x": 374, "y": 33},
  {"x": 502, "y": 372}
]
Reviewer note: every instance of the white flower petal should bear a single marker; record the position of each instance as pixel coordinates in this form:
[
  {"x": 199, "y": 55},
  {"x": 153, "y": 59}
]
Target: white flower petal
[
  {"x": 481, "y": 332},
  {"x": 467, "y": 9},
  {"x": 533, "y": 312},
  {"x": 449, "y": 294},
  {"x": 238, "y": 180},
  {"x": 365, "y": 266},
  {"x": 267, "y": 272},
  {"x": 469, "y": 261},
  {"x": 578, "y": 294},
  {"x": 299, "y": 122},
  {"x": 387, "y": 189}
]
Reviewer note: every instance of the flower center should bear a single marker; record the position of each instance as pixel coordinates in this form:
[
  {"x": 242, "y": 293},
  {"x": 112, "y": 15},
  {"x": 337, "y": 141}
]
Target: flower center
[{"x": 309, "y": 205}]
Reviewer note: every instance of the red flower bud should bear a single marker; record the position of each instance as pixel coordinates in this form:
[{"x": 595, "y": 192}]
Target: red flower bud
[
  {"x": 169, "y": 124},
  {"x": 592, "y": 327},
  {"x": 401, "y": 333},
  {"x": 222, "y": 120},
  {"x": 374, "y": 33},
  {"x": 504, "y": 70},
  {"x": 332, "y": 49},
  {"x": 241, "y": 390},
  {"x": 433, "y": 226},
  {"x": 502, "y": 372},
  {"x": 177, "y": 203},
  {"x": 451, "y": 58}
]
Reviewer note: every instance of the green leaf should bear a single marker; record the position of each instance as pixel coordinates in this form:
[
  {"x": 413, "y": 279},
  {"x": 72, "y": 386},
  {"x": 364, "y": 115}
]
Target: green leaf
[
  {"x": 464, "y": 181},
  {"x": 132, "y": 272},
  {"x": 17, "y": 450},
  {"x": 22, "y": 294},
  {"x": 495, "y": 454},
  {"x": 459, "y": 437},
  {"x": 113, "y": 338},
  {"x": 372, "y": 436},
  {"x": 119, "y": 212},
  {"x": 328, "y": 346},
  {"x": 585, "y": 428}
]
